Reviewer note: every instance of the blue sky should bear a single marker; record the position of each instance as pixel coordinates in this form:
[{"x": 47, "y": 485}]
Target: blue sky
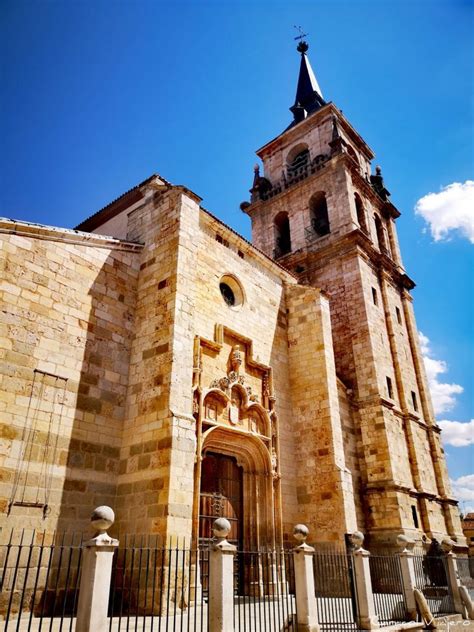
[{"x": 99, "y": 95}]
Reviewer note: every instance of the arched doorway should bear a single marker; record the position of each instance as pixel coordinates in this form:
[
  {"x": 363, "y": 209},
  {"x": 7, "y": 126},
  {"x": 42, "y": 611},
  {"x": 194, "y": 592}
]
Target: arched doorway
[{"x": 237, "y": 483}]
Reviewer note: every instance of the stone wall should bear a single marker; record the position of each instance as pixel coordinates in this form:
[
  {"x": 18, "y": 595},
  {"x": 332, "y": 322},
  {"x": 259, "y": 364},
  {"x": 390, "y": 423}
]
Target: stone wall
[{"x": 67, "y": 304}]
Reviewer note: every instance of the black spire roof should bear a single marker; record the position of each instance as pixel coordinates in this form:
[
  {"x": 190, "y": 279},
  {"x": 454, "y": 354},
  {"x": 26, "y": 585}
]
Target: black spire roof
[{"x": 309, "y": 97}]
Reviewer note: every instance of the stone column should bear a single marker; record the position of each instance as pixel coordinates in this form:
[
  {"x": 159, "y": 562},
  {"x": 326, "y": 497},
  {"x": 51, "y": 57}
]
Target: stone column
[
  {"x": 408, "y": 574},
  {"x": 453, "y": 575},
  {"x": 304, "y": 582},
  {"x": 96, "y": 573},
  {"x": 366, "y": 616},
  {"x": 221, "y": 579}
]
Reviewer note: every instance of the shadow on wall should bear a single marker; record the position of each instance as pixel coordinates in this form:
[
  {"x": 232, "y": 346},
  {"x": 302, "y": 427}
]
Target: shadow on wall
[{"x": 93, "y": 455}]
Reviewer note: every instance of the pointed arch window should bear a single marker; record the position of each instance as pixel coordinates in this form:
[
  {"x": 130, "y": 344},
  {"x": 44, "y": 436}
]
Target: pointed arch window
[
  {"x": 319, "y": 214},
  {"x": 282, "y": 235},
  {"x": 361, "y": 215}
]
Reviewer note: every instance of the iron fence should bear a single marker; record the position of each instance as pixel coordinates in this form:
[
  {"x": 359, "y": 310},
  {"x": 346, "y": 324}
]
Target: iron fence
[
  {"x": 39, "y": 582},
  {"x": 387, "y": 586},
  {"x": 334, "y": 581},
  {"x": 264, "y": 596},
  {"x": 158, "y": 588},
  {"x": 466, "y": 573},
  {"x": 431, "y": 578}
]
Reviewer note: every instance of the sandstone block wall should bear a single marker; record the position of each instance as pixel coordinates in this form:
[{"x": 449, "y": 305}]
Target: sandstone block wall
[{"x": 66, "y": 323}]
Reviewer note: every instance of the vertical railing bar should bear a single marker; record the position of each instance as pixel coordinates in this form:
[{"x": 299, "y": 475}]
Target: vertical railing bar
[
  {"x": 260, "y": 585},
  {"x": 77, "y": 583},
  {"x": 182, "y": 584},
  {"x": 240, "y": 588},
  {"x": 265, "y": 596},
  {"x": 170, "y": 557},
  {"x": 160, "y": 611},
  {"x": 175, "y": 583},
  {"x": 278, "y": 566},
  {"x": 124, "y": 570},
  {"x": 285, "y": 587},
  {"x": 5, "y": 565},
  {"x": 257, "y": 590},
  {"x": 190, "y": 572},
  {"x": 140, "y": 557},
  {"x": 113, "y": 584},
  {"x": 38, "y": 570},
  {"x": 10, "y": 601},
  {"x": 153, "y": 585},
  {"x": 51, "y": 555},
  {"x": 66, "y": 583},
  {"x": 146, "y": 582},
  {"x": 267, "y": 608},
  {"x": 28, "y": 561},
  {"x": 130, "y": 589},
  {"x": 243, "y": 557},
  {"x": 61, "y": 548},
  {"x": 273, "y": 579},
  {"x": 197, "y": 566}
]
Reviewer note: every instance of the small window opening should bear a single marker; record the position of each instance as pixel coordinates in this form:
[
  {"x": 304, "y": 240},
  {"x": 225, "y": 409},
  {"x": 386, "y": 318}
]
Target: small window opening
[
  {"x": 361, "y": 216},
  {"x": 414, "y": 401},
  {"x": 415, "y": 516},
  {"x": 389, "y": 388},
  {"x": 374, "y": 296},
  {"x": 282, "y": 234},
  {"x": 241, "y": 254},
  {"x": 380, "y": 234},
  {"x": 399, "y": 316},
  {"x": 319, "y": 214},
  {"x": 227, "y": 294},
  {"x": 218, "y": 238}
]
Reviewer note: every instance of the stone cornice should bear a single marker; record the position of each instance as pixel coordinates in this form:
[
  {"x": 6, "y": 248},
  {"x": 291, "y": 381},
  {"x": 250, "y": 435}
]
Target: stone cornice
[
  {"x": 296, "y": 131},
  {"x": 65, "y": 235}
]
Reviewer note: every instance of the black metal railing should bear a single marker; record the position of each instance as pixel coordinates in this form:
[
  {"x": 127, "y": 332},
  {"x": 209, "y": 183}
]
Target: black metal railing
[
  {"x": 387, "y": 587},
  {"x": 158, "y": 588},
  {"x": 39, "y": 580},
  {"x": 431, "y": 578},
  {"x": 264, "y": 596},
  {"x": 335, "y": 588}
]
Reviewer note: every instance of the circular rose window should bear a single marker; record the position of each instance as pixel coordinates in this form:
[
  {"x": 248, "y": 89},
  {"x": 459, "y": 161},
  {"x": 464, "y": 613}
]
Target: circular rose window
[{"x": 231, "y": 291}]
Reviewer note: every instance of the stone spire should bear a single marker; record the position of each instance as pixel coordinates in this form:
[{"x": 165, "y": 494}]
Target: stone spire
[{"x": 309, "y": 97}]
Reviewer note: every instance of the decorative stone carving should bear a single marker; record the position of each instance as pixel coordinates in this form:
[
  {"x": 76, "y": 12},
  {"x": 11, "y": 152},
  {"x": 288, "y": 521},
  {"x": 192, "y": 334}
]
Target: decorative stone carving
[{"x": 235, "y": 359}]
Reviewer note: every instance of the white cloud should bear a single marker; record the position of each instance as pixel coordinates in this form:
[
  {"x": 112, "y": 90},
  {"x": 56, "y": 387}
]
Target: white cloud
[
  {"x": 457, "y": 433},
  {"x": 463, "y": 490},
  {"x": 452, "y": 209},
  {"x": 442, "y": 394}
]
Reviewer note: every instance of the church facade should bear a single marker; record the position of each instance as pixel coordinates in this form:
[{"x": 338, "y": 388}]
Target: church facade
[{"x": 154, "y": 360}]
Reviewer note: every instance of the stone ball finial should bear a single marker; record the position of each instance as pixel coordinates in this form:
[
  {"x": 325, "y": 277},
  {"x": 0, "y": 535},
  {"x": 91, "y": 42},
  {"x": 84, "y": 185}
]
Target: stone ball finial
[
  {"x": 102, "y": 518},
  {"x": 378, "y": 170},
  {"x": 357, "y": 539},
  {"x": 405, "y": 543},
  {"x": 300, "y": 533},
  {"x": 447, "y": 544},
  {"x": 221, "y": 527}
]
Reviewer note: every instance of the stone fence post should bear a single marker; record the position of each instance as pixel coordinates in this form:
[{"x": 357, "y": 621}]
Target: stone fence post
[
  {"x": 366, "y": 615},
  {"x": 408, "y": 574},
  {"x": 221, "y": 579},
  {"x": 453, "y": 575},
  {"x": 303, "y": 556},
  {"x": 96, "y": 574}
]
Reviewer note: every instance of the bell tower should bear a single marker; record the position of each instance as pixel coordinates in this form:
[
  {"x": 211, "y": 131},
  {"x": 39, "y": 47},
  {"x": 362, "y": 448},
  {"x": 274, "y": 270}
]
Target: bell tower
[{"x": 321, "y": 213}]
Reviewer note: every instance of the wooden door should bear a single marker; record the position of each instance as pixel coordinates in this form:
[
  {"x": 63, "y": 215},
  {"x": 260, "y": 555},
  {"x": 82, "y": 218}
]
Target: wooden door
[{"x": 221, "y": 496}]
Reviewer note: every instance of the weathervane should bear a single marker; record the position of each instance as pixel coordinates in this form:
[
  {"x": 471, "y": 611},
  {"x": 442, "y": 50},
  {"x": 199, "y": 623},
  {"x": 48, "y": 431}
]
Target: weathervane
[
  {"x": 301, "y": 34},
  {"x": 302, "y": 45}
]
